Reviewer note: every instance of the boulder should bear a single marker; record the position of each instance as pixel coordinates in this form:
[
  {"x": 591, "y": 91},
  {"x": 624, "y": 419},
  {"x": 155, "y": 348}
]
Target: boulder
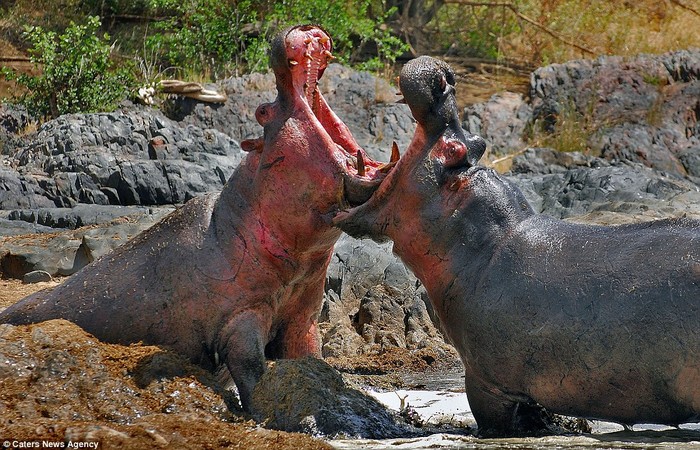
[
  {"x": 502, "y": 122},
  {"x": 63, "y": 252},
  {"x": 642, "y": 109},
  {"x": 130, "y": 157},
  {"x": 307, "y": 395}
]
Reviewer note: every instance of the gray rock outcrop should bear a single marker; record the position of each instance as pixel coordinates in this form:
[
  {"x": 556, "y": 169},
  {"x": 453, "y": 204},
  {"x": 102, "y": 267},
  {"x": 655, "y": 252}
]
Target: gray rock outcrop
[{"x": 643, "y": 109}]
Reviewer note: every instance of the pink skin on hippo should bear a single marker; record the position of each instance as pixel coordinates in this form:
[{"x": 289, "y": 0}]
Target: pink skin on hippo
[
  {"x": 588, "y": 321},
  {"x": 237, "y": 276}
]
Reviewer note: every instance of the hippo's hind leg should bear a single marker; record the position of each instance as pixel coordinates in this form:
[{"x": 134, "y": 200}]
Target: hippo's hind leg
[
  {"x": 500, "y": 416},
  {"x": 244, "y": 352}
]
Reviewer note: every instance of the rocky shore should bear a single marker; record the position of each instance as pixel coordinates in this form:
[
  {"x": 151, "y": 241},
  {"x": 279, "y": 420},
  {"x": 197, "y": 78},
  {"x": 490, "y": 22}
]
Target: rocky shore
[{"x": 83, "y": 184}]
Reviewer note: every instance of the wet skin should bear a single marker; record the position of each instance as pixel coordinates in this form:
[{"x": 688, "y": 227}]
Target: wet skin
[
  {"x": 588, "y": 321},
  {"x": 234, "y": 277}
]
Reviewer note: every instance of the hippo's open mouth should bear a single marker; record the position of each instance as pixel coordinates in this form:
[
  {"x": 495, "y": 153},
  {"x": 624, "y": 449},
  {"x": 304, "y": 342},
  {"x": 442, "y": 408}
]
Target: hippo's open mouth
[
  {"x": 308, "y": 51},
  {"x": 440, "y": 155}
]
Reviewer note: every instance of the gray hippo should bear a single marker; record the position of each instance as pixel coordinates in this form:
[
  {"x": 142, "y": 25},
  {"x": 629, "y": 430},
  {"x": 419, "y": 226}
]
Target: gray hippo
[
  {"x": 587, "y": 321},
  {"x": 234, "y": 277}
]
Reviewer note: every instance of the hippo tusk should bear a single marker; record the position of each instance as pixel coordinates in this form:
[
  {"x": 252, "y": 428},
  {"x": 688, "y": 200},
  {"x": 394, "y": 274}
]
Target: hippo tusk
[
  {"x": 395, "y": 154},
  {"x": 360, "y": 163}
]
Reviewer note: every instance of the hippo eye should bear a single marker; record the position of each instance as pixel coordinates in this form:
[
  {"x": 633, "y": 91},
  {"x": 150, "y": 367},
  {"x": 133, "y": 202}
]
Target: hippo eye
[{"x": 455, "y": 154}]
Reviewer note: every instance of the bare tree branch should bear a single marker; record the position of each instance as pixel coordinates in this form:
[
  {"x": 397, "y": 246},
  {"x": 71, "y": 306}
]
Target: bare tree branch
[{"x": 525, "y": 18}]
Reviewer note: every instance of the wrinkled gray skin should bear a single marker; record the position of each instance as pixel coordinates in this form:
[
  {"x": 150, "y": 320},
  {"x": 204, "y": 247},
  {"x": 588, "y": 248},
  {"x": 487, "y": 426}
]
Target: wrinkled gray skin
[
  {"x": 588, "y": 321},
  {"x": 230, "y": 278}
]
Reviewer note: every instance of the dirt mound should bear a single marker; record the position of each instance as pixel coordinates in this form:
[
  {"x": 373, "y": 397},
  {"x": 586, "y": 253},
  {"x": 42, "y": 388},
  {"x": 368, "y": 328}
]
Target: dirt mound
[{"x": 59, "y": 383}]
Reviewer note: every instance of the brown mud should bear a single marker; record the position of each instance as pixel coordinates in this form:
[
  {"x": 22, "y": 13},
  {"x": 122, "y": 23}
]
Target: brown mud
[{"x": 59, "y": 383}]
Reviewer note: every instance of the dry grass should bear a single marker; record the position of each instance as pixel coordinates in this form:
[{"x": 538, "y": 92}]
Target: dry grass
[{"x": 604, "y": 27}]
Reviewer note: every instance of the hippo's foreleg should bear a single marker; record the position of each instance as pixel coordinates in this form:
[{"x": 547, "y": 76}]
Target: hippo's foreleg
[
  {"x": 303, "y": 341},
  {"x": 301, "y": 337},
  {"x": 244, "y": 353}
]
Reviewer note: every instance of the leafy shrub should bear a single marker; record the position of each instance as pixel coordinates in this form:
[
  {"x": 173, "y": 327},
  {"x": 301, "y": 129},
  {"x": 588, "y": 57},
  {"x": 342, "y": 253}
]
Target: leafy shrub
[
  {"x": 77, "y": 74},
  {"x": 200, "y": 35},
  {"x": 207, "y": 35},
  {"x": 355, "y": 29}
]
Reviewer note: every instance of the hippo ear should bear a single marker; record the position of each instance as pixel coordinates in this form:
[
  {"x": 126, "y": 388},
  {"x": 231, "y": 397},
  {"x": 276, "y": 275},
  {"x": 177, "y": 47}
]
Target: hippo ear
[
  {"x": 253, "y": 145},
  {"x": 476, "y": 146}
]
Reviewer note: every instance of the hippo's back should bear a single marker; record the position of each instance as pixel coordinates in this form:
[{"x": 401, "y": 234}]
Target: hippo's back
[
  {"x": 606, "y": 319},
  {"x": 125, "y": 296}
]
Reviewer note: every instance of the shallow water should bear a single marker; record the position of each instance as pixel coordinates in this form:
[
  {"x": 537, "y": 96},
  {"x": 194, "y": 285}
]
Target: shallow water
[{"x": 440, "y": 406}]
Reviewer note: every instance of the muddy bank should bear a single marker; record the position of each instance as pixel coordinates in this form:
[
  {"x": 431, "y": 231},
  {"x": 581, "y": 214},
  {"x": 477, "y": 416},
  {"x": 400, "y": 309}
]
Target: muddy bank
[{"x": 58, "y": 383}]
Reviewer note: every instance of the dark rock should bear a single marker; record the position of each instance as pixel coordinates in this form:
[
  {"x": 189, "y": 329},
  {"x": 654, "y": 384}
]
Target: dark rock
[
  {"x": 13, "y": 118},
  {"x": 82, "y": 215},
  {"x": 20, "y": 191},
  {"x": 133, "y": 157},
  {"x": 65, "y": 252},
  {"x": 36, "y": 276},
  {"x": 542, "y": 160},
  {"x": 15, "y": 227},
  {"x": 307, "y": 395},
  {"x": 641, "y": 109},
  {"x": 580, "y": 187}
]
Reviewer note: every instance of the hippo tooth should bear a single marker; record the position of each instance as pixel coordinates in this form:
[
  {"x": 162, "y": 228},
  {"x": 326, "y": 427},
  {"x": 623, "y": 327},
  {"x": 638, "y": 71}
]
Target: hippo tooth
[
  {"x": 360, "y": 163},
  {"x": 328, "y": 54},
  {"x": 395, "y": 154},
  {"x": 340, "y": 196},
  {"x": 293, "y": 62}
]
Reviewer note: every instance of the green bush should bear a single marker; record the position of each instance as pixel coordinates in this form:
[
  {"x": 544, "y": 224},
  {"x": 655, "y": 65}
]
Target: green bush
[
  {"x": 204, "y": 36},
  {"x": 357, "y": 31},
  {"x": 77, "y": 74},
  {"x": 219, "y": 38}
]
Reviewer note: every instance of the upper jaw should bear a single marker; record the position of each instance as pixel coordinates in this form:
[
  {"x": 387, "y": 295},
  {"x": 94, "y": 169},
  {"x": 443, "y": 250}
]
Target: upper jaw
[
  {"x": 308, "y": 51},
  {"x": 428, "y": 88}
]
